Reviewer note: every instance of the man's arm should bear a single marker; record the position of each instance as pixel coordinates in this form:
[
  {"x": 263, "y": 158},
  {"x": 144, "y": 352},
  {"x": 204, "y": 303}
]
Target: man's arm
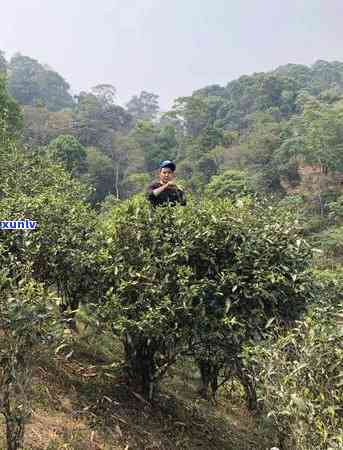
[
  {"x": 159, "y": 189},
  {"x": 153, "y": 191}
]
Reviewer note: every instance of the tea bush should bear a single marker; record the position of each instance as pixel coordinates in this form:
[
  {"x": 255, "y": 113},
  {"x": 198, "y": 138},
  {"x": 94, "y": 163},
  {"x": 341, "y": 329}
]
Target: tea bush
[
  {"x": 199, "y": 280},
  {"x": 300, "y": 381}
]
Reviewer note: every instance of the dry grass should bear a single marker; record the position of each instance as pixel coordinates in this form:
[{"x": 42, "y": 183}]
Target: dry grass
[{"x": 81, "y": 403}]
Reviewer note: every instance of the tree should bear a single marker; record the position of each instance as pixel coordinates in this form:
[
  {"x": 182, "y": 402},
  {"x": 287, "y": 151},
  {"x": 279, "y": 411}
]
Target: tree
[
  {"x": 156, "y": 144},
  {"x": 143, "y": 107},
  {"x": 68, "y": 150},
  {"x": 210, "y": 137},
  {"x": 259, "y": 149},
  {"x": 231, "y": 183},
  {"x": 314, "y": 138},
  {"x": 100, "y": 174},
  {"x": 120, "y": 160},
  {"x": 167, "y": 139},
  {"x": 106, "y": 93},
  {"x": 97, "y": 119},
  {"x": 193, "y": 112},
  {"x": 135, "y": 183},
  {"x": 10, "y": 115},
  {"x": 41, "y": 126},
  {"x": 3, "y": 63},
  {"x": 30, "y": 83},
  {"x": 322, "y": 127}
]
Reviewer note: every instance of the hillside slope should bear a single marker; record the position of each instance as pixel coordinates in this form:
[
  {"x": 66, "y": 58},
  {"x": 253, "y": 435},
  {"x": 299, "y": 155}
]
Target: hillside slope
[{"x": 78, "y": 407}]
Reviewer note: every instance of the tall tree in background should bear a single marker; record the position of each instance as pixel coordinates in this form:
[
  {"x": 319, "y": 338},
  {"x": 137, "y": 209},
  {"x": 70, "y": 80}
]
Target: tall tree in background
[
  {"x": 119, "y": 156},
  {"x": 10, "y": 114},
  {"x": 99, "y": 174},
  {"x": 106, "y": 93},
  {"x": 259, "y": 148},
  {"x": 31, "y": 83},
  {"x": 41, "y": 126},
  {"x": 231, "y": 183},
  {"x": 155, "y": 143},
  {"x": 3, "y": 63},
  {"x": 143, "y": 107},
  {"x": 321, "y": 128},
  {"x": 69, "y": 151},
  {"x": 193, "y": 112},
  {"x": 97, "y": 118},
  {"x": 323, "y": 135}
]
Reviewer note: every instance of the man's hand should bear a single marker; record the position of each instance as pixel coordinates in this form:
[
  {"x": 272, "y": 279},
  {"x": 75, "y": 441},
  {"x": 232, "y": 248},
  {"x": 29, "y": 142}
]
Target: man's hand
[{"x": 171, "y": 184}]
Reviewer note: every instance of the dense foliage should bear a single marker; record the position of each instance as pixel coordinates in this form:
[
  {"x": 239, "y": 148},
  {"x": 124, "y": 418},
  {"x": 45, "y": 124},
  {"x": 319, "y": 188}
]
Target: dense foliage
[
  {"x": 300, "y": 381},
  {"x": 30, "y": 83},
  {"x": 225, "y": 281},
  {"x": 170, "y": 279},
  {"x": 10, "y": 117}
]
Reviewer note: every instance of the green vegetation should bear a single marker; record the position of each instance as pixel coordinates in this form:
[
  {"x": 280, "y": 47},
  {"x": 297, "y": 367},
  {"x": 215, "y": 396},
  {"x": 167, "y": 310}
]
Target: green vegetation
[
  {"x": 171, "y": 280},
  {"x": 215, "y": 325},
  {"x": 30, "y": 83},
  {"x": 300, "y": 381}
]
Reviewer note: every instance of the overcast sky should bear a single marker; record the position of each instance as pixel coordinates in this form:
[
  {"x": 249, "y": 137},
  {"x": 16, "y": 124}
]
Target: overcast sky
[{"x": 170, "y": 47}]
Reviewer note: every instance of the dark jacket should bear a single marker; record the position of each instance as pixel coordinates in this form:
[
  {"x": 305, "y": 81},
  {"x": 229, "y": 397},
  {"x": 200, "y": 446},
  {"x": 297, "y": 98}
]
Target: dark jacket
[{"x": 169, "y": 196}]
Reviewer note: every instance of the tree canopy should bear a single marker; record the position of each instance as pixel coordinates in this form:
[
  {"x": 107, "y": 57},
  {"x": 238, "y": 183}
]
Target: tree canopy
[{"x": 33, "y": 84}]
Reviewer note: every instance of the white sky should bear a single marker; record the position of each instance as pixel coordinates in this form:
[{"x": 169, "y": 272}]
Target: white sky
[{"x": 170, "y": 47}]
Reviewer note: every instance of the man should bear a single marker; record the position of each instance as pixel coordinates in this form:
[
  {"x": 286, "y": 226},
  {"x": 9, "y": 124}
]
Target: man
[{"x": 166, "y": 191}]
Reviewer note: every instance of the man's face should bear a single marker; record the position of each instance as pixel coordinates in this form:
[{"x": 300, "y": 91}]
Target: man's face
[{"x": 166, "y": 174}]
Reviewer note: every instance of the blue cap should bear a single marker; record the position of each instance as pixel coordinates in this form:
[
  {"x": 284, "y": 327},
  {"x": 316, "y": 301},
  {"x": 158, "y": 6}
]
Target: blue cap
[{"x": 169, "y": 164}]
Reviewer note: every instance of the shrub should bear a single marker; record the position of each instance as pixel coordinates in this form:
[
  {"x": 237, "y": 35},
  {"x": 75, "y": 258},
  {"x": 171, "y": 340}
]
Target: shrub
[
  {"x": 171, "y": 279},
  {"x": 300, "y": 382},
  {"x": 35, "y": 188},
  {"x": 330, "y": 241},
  {"x": 26, "y": 321},
  {"x": 231, "y": 183}
]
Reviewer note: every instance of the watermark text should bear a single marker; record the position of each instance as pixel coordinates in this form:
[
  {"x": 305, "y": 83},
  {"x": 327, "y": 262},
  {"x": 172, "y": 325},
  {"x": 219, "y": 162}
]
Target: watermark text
[{"x": 18, "y": 224}]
